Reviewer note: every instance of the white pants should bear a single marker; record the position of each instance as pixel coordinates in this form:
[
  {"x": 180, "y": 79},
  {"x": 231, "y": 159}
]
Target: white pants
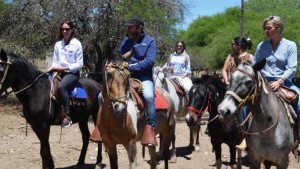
[{"x": 186, "y": 83}]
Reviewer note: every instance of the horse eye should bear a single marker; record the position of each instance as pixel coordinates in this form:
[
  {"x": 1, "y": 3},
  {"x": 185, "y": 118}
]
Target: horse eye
[
  {"x": 248, "y": 83},
  {"x": 110, "y": 75}
]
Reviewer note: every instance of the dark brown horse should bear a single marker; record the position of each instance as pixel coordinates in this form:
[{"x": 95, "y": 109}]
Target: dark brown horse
[
  {"x": 32, "y": 88},
  {"x": 120, "y": 120},
  {"x": 206, "y": 94}
]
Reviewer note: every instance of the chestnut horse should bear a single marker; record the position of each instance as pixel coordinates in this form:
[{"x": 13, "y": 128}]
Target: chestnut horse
[{"x": 120, "y": 121}]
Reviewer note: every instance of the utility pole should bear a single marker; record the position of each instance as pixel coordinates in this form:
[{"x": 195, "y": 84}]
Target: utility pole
[{"x": 242, "y": 17}]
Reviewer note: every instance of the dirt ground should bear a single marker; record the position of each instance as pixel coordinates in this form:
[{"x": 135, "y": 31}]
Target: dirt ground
[{"x": 20, "y": 152}]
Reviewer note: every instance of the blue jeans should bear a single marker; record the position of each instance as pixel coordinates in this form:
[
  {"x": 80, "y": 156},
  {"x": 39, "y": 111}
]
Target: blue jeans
[
  {"x": 294, "y": 87},
  {"x": 66, "y": 84},
  {"x": 148, "y": 95}
]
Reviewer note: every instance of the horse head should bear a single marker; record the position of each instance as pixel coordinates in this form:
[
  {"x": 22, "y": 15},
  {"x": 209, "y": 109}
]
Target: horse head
[
  {"x": 158, "y": 76},
  {"x": 116, "y": 84},
  {"x": 198, "y": 102},
  {"x": 244, "y": 81}
]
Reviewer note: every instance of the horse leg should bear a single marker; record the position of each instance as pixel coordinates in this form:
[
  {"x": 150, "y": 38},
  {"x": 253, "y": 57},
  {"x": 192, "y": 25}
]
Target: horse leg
[
  {"x": 152, "y": 154},
  {"x": 166, "y": 138},
  {"x": 99, "y": 153},
  {"x": 197, "y": 130},
  {"x": 85, "y": 133},
  {"x": 232, "y": 151},
  {"x": 254, "y": 163},
  {"x": 218, "y": 151},
  {"x": 43, "y": 135},
  {"x": 131, "y": 152},
  {"x": 173, "y": 158},
  {"x": 191, "y": 145},
  {"x": 112, "y": 154}
]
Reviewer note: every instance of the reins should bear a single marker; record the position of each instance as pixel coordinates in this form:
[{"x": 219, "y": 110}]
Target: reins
[
  {"x": 35, "y": 80},
  {"x": 251, "y": 96},
  {"x": 118, "y": 67}
]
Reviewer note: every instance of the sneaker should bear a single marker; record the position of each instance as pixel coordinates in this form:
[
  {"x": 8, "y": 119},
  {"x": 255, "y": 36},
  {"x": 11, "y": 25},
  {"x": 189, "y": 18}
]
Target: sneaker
[{"x": 67, "y": 122}]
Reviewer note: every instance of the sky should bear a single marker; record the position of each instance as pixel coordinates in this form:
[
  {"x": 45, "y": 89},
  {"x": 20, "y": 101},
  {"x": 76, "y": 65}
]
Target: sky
[{"x": 199, "y": 8}]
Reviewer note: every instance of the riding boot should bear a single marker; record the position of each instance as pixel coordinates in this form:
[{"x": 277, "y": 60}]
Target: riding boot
[
  {"x": 148, "y": 137},
  {"x": 242, "y": 146},
  {"x": 96, "y": 136}
]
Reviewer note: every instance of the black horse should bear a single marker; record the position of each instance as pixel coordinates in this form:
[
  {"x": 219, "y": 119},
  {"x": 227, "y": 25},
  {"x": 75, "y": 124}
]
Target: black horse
[
  {"x": 32, "y": 88},
  {"x": 206, "y": 94}
]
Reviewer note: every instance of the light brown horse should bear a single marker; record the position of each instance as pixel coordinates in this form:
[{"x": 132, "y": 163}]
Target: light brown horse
[{"x": 121, "y": 122}]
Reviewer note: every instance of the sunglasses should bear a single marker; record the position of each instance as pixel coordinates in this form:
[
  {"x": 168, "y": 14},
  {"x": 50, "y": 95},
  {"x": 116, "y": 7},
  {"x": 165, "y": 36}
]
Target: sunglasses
[{"x": 66, "y": 29}]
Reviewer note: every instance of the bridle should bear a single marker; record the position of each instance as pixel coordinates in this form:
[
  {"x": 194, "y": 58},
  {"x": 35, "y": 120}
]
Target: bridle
[
  {"x": 250, "y": 97},
  {"x": 8, "y": 63},
  {"x": 202, "y": 108},
  {"x": 120, "y": 68}
]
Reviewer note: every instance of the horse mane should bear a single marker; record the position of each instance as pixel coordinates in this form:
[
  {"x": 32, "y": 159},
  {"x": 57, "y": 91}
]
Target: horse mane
[
  {"x": 23, "y": 65},
  {"x": 208, "y": 79}
]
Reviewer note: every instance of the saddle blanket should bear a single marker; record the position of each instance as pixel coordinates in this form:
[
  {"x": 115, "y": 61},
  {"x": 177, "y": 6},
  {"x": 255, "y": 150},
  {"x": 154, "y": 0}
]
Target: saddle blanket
[
  {"x": 76, "y": 92},
  {"x": 161, "y": 102}
]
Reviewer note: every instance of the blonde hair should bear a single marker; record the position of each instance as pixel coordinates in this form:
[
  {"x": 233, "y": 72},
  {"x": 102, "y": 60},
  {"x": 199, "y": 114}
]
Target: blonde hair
[{"x": 277, "y": 22}]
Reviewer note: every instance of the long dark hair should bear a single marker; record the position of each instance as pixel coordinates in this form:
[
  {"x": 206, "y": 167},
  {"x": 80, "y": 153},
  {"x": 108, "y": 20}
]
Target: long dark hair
[
  {"x": 183, "y": 45},
  {"x": 243, "y": 42},
  {"x": 59, "y": 34}
]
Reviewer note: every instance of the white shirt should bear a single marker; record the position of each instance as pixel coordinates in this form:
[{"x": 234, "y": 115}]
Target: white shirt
[{"x": 70, "y": 55}]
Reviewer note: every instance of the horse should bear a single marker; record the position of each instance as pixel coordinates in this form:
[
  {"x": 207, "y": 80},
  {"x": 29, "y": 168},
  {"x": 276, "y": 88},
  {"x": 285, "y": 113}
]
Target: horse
[
  {"x": 120, "y": 121},
  {"x": 32, "y": 88},
  {"x": 181, "y": 103},
  {"x": 206, "y": 94},
  {"x": 270, "y": 134}
]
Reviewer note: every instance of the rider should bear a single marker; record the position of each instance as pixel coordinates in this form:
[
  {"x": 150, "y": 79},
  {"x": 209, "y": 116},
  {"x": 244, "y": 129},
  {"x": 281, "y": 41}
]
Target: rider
[
  {"x": 67, "y": 60},
  {"x": 141, "y": 64},
  {"x": 239, "y": 46},
  {"x": 179, "y": 66},
  {"x": 281, "y": 59}
]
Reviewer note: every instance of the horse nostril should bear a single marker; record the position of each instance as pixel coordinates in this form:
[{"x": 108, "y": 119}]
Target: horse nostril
[{"x": 227, "y": 113}]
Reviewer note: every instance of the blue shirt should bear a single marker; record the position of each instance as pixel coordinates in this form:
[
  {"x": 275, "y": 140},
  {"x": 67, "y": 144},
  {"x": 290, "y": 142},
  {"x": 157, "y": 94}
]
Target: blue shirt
[
  {"x": 69, "y": 55},
  {"x": 181, "y": 64},
  {"x": 279, "y": 63},
  {"x": 144, "y": 56}
]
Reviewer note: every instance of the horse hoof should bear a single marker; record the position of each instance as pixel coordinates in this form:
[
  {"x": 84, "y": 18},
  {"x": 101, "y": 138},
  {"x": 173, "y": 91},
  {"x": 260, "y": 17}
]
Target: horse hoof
[
  {"x": 191, "y": 147},
  {"x": 173, "y": 159},
  {"x": 197, "y": 148},
  {"x": 233, "y": 166}
]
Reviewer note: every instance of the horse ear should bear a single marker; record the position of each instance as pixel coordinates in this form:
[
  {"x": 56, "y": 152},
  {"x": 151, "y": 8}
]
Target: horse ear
[
  {"x": 3, "y": 55},
  {"x": 259, "y": 65}
]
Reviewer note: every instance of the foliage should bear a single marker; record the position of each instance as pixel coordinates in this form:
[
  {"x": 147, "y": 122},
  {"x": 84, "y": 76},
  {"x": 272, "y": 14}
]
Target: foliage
[
  {"x": 32, "y": 24},
  {"x": 209, "y": 38}
]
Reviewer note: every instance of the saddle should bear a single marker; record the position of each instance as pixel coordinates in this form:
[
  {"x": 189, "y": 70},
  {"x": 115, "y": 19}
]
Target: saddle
[
  {"x": 178, "y": 87},
  {"x": 77, "y": 96},
  {"x": 136, "y": 88},
  {"x": 287, "y": 94},
  {"x": 77, "y": 92}
]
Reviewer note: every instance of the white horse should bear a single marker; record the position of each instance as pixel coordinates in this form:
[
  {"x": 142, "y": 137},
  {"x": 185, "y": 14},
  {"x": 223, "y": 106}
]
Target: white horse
[{"x": 181, "y": 103}]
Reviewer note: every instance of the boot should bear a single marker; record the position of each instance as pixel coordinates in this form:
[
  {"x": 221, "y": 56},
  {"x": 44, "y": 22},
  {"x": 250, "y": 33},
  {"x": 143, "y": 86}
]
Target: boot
[
  {"x": 298, "y": 135},
  {"x": 96, "y": 137},
  {"x": 242, "y": 146},
  {"x": 148, "y": 137}
]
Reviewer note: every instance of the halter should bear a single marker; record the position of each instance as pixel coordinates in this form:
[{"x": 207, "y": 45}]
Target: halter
[
  {"x": 251, "y": 96},
  {"x": 8, "y": 63},
  {"x": 120, "y": 68},
  {"x": 202, "y": 110}
]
